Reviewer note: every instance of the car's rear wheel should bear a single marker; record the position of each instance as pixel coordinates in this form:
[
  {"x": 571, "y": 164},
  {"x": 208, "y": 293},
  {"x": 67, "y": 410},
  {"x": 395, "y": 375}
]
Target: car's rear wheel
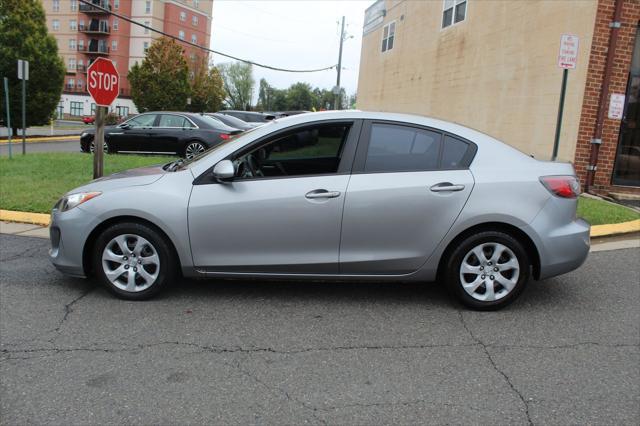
[
  {"x": 134, "y": 261},
  {"x": 487, "y": 271},
  {"x": 193, "y": 149}
]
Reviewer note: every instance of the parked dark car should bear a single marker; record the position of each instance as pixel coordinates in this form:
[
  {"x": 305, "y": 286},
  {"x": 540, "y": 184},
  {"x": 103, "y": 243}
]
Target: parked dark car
[
  {"x": 232, "y": 121},
  {"x": 249, "y": 116},
  {"x": 184, "y": 134}
]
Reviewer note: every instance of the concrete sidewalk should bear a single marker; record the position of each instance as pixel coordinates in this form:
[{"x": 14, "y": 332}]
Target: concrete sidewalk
[{"x": 24, "y": 229}]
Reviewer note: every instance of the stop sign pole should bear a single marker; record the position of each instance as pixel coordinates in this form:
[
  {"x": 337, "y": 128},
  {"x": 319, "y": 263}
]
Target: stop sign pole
[{"x": 103, "y": 83}]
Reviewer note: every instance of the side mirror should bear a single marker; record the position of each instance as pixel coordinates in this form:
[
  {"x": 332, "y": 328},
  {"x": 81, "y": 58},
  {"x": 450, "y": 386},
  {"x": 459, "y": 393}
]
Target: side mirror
[
  {"x": 224, "y": 170},
  {"x": 125, "y": 126}
]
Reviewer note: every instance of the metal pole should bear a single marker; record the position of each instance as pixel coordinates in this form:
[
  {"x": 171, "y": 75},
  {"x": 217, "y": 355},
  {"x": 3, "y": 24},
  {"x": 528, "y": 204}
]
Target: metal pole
[
  {"x": 6, "y": 96},
  {"x": 337, "y": 101},
  {"x": 24, "y": 107},
  {"x": 563, "y": 90},
  {"x": 98, "y": 143}
]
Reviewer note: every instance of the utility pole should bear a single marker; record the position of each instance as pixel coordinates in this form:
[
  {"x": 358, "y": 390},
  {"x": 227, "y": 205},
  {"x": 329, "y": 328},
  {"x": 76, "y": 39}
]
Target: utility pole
[{"x": 337, "y": 88}]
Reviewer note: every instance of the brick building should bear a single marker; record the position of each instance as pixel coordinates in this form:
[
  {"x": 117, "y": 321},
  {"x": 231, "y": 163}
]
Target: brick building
[
  {"x": 492, "y": 65},
  {"x": 84, "y": 32}
]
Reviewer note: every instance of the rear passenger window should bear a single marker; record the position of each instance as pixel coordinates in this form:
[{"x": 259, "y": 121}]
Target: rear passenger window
[
  {"x": 167, "y": 120},
  {"x": 453, "y": 153},
  {"x": 394, "y": 148}
]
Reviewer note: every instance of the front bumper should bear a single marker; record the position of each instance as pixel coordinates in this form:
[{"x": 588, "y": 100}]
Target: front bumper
[{"x": 68, "y": 234}]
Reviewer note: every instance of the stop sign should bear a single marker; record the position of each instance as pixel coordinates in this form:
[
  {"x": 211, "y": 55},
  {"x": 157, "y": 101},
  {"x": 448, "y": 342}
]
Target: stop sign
[{"x": 103, "y": 81}]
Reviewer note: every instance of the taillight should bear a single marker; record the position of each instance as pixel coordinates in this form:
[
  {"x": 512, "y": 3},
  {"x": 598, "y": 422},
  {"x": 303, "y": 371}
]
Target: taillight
[
  {"x": 562, "y": 186},
  {"x": 225, "y": 136}
]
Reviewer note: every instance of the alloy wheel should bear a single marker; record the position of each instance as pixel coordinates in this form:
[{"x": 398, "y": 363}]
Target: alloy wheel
[
  {"x": 105, "y": 147},
  {"x": 489, "y": 271},
  {"x": 131, "y": 263},
  {"x": 193, "y": 149}
]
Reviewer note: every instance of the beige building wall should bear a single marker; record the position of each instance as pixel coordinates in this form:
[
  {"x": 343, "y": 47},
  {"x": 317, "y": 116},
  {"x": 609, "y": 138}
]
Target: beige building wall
[
  {"x": 61, "y": 18},
  {"x": 496, "y": 71}
]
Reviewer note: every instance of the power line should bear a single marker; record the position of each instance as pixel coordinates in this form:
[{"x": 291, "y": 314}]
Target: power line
[{"x": 126, "y": 18}]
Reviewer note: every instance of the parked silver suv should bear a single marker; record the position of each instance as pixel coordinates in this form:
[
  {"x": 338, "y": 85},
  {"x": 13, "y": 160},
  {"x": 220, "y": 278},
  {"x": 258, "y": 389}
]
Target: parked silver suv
[{"x": 336, "y": 195}]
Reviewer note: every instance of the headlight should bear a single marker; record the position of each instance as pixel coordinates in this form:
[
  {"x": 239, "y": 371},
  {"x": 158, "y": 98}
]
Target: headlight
[{"x": 72, "y": 200}]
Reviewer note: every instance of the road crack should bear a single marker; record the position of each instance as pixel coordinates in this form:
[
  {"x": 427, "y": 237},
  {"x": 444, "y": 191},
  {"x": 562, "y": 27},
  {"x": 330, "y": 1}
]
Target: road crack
[{"x": 496, "y": 368}]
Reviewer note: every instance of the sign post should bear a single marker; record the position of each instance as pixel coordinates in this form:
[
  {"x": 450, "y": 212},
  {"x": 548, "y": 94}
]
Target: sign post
[
  {"x": 6, "y": 96},
  {"x": 567, "y": 59},
  {"x": 103, "y": 83},
  {"x": 23, "y": 74}
]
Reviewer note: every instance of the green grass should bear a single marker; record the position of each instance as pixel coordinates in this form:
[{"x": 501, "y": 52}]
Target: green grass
[
  {"x": 34, "y": 182},
  {"x": 598, "y": 212}
]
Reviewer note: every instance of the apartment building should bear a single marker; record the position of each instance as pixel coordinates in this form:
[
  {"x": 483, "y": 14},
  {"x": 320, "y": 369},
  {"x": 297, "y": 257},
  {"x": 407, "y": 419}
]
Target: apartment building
[
  {"x": 493, "y": 65},
  {"x": 85, "y": 32}
]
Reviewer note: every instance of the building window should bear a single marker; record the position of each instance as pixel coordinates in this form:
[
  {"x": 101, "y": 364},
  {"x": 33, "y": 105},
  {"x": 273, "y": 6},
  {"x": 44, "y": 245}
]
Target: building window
[
  {"x": 116, "y": 4},
  {"x": 81, "y": 45},
  {"x": 74, "y": 5},
  {"x": 193, "y": 57},
  {"x": 194, "y": 20},
  {"x": 76, "y": 107},
  {"x": 115, "y": 64},
  {"x": 93, "y": 108},
  {"x": 114, "y": 45},
  {"x": 183, "y": 16},
  {"x": 72, "y": 44},
  {"x": 72, "y": 64},
  {"x": 73, "y": 25},
  {"x": 56, "y": 5},
  {"x": 388, "y": 36},
  {"x": 122, "y": 111},
  {"x": 196, "y": 3},
  {"x": 55, "y": 24},
  {"x": 148, "y": 24},
  {"x": 453, "y": 12},
  {"x": 147, "y": 8},
  {"x": 71, "y": 83},
  {"x": 145, "y": 46},
  {"x": 115, "y": 24},
  {"x": 181, "y": 35},
  {"x": 80, "y": 84},
  {"x": 194, "y": 39}
]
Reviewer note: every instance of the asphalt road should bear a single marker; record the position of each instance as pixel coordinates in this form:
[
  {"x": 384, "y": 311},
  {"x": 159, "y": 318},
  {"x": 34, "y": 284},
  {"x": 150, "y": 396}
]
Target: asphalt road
[
  {"x": 236, "y": 352},
  {"x": 49, "y": 146}
]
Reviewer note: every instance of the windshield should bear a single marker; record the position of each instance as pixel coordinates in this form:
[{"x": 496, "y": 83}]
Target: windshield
[
  {"x": 212, "y": 121},
  {"x": 239, "y": 139}
]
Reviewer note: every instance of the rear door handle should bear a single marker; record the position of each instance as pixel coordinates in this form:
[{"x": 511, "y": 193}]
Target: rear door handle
[
  {"x": 322, "y": 193},
  {"x": 446, "y": 187}
]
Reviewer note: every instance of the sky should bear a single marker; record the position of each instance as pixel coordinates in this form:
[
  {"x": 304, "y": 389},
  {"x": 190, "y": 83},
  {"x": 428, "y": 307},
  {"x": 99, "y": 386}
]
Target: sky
[{"x": 302, "y": 34}]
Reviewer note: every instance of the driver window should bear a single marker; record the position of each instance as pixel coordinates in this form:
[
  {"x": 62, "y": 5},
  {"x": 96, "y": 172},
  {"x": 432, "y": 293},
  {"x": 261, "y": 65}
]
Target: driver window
[
  {"x": 145, "y": 120},
  {"x": 309, "y": 151}
]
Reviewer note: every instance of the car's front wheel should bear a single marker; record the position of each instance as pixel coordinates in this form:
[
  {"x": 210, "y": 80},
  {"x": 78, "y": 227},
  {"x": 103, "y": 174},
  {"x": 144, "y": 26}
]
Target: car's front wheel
[
  {"x": 488, "y": 270},
  {"x": 134, "y": 261}
]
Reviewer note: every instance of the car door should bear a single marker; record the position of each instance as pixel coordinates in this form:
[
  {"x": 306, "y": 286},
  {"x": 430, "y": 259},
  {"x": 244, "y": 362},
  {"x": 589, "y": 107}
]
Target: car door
[
  {"x": 170, "y": 134},
  {"x": 409, "y": 185},
  {"x": 131, "y": 135},
  {"x": 276, "y": 221}
]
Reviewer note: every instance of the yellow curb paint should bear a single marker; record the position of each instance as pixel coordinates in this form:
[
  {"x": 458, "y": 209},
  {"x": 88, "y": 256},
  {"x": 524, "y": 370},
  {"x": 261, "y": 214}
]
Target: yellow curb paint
[
  {"x": 44, "y": 139},
  {"x": 25, "y": 217},
  {"x": 615, "y": 228},
  {"x": 596, "y": 230}
]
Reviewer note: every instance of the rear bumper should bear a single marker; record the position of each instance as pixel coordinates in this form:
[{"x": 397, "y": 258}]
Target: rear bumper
[{"x": 562, "y": 248}]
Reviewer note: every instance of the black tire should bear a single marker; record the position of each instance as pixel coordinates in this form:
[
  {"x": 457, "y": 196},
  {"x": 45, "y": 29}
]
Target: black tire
[
  {"x": 454, "y": 264},
  {"x": 168, "y": 265}
]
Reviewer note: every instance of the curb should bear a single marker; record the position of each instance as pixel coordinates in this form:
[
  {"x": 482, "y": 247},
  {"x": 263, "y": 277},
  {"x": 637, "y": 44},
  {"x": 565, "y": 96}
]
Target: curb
[
  {"x": 25, "y": 217},
  {"x": 596, "y": 230},
  {"x": 42, "y": 139}
]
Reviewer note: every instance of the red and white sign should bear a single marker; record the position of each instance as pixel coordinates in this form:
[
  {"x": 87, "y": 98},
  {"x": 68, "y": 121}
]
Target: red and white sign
[
  {"x": 568, "y": 56},
  {"x": 616, "y": 106},
  {"x": 103, "y": 82}
]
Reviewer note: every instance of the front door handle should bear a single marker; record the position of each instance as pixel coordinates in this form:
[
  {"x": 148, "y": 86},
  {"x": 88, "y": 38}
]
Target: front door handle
[
  {"x": 322, "y": 193},
  {"x": 446, "y": 187}
]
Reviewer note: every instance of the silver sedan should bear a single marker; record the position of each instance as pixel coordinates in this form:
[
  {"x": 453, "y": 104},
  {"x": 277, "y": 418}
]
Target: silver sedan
[{"x": 344, "y": 195}]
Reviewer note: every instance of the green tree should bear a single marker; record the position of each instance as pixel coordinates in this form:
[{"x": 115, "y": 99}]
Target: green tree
[
  {"x": 23, "y": 35},
  {"x": 324, "y": 99},
  {"x": 238, "y": 81},
  {"x": 279, "y": 100},
  {"x": 207, "y": 89},
  {"x": 265, "y": 95},
  {"x": 300, "y": 97},
  {"x": 161, "y": 82}
]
